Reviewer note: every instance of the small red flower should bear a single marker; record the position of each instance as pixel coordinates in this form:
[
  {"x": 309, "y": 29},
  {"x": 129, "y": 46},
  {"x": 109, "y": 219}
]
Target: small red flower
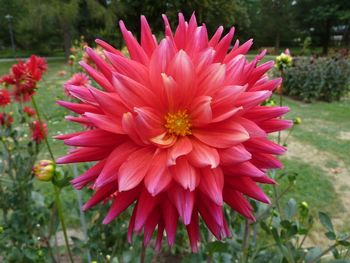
[
  {"x": 4, "y": 98},
  {"x": 29, "y": 111},
  {"x": 24, "y": 76},
  {"x": 36, "y": 67},
  {"x": 78, "y": 79},
  {"x": 39, "y": 131},
  {"x": 6, "y": 119}
]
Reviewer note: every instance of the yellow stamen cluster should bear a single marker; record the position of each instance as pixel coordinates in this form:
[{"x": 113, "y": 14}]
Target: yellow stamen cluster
[{"x": 178, "y": 123}]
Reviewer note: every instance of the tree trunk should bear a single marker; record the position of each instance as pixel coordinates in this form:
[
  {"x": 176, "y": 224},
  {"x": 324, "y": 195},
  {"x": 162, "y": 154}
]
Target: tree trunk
[
  {"x": 346, "y": 36},
  {"x": 277, "y": 42},
  {"x": 326, "y": 37},
  {"x": 67, "y": 40}
]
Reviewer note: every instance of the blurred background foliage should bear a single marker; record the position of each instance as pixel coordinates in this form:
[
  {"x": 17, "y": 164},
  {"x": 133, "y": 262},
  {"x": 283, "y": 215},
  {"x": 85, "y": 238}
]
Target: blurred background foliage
[{"x": 49, "y": 27}]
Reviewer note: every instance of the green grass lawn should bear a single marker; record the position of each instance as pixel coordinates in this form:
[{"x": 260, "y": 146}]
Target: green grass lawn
[{"x": 324, "y": 126}]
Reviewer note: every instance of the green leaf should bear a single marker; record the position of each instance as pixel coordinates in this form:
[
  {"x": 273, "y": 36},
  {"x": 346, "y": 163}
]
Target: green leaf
[
  {"x": 217, "y": 246},
  {"x": 291, "y": 208},
  {"x": 344, "y": 243},
  {"x": 265, "y": 227},
  {"x": 331, "y": 235},
  {"x": 276, "y": 236},
  {"x": 312, "y": 254},
  {"x": 326, "y": 221}
]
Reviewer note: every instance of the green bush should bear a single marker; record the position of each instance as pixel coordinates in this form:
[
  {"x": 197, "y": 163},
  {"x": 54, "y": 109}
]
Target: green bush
[{"x": 313, "y": 79}]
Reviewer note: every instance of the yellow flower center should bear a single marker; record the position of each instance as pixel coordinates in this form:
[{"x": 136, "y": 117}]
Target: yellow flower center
[{"x": 178, "y": 123}]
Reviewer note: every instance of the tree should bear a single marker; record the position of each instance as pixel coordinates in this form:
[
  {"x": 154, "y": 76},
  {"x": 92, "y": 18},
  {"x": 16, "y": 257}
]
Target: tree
[
  {"x": 272, "y": 21},
  {"x": 321, "y": 16}
]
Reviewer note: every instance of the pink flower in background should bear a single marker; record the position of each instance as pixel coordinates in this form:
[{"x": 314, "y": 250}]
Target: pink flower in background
[
  {"x": 78, "y": 79},
  {"x": 39, "y": 131},
  {"x": 5, "y": 98},
  {"x": 178, "y": 130}
]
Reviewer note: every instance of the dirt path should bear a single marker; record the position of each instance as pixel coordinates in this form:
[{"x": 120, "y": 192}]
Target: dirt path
[{"x": 340, "y": 177}]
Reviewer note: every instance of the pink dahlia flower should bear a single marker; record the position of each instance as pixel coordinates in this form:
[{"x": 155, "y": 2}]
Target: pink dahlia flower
[{"x": 178, "y": 130}]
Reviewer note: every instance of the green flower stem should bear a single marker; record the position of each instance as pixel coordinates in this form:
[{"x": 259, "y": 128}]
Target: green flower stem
[
  {"x": 289, "y": 133},
  {"x": 57, "y": 191},
  {"x": 245, "y": 243},
  {"x": 61, "y": 217},
  {"x": 143, "y": 253}
]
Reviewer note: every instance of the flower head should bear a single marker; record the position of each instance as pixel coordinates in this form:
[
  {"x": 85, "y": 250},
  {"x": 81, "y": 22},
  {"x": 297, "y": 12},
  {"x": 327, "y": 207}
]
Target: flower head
[
  {"x": 39, "y": 131},
  {"x": 5, "y": 98},
  {"x": 44, "y": 170},
  {"x": 24, "y": 76},
  {"x": 29, "y": 111},
  {"x": 178, "y": 130}
]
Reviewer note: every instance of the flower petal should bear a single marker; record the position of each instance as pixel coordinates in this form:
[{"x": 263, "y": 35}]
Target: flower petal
[
  {"x": 134, "y": 169},
  {"x": 203, "y": 155},
  {"x": 234, "y": 155},
  {"x": 184, "y": 201},
  {"x": 158, "y": 176},
  {"x": 185, "y": 174},
  {"x": 120, "y": 202},
  {"x": 222, "y": 135},
  {"x": 212, "y": 183},
  {"x": 183, "y": 146}
]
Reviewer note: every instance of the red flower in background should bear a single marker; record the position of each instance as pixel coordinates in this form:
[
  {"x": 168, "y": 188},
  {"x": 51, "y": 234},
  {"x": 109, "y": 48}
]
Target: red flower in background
[
  {"x": 179, "y": 130},
  {"x": 39, "y": 131},
  {"x": 29, "y": 111},
  {"x": 6, "y": 119},
  {"x": 24, "y": 76},
  {"x": 78, "y": 79},
  {"x": 5, "y": 98}
]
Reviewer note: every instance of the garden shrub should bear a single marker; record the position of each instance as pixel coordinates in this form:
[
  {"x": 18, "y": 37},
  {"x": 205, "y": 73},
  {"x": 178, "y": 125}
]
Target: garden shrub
[{"x": 311, "y": 79}]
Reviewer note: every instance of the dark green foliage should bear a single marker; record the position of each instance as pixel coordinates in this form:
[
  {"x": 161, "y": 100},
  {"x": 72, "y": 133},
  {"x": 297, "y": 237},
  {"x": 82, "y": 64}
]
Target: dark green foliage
[
  {"x": 311, "y": 79},
  {"x": 24, "y": 219}
]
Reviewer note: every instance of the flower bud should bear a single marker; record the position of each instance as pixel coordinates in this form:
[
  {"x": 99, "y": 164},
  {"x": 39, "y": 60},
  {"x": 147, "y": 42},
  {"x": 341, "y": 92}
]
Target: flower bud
[
  {"x": 304, "y": 205},
  {"x": 44, "y": 170},
  {"x": 284, "y": 60},
  {"x": 297, "y": 121}
]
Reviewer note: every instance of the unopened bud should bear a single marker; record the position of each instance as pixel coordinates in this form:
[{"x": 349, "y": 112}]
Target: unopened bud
[
  {"x": 297, "y": 121},
  {"x": 44, "y": 170},
  {"x": 284, "y": 61},
  {"x": 304, "y": 205}
]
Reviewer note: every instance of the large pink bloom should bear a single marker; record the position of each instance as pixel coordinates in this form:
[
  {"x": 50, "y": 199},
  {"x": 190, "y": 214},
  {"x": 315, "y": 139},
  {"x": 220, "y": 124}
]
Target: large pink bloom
[{"x": 178, "y": 131}]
